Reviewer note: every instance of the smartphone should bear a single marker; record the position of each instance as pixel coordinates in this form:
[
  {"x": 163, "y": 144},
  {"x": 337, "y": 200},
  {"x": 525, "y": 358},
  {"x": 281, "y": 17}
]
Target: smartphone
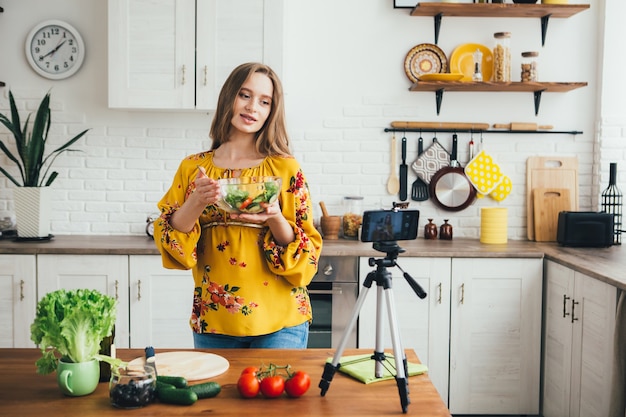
[{"x": 389, "y": 225}]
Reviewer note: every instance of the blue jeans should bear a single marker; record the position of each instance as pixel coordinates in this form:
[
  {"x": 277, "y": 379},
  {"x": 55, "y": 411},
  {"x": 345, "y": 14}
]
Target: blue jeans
[{"x": 295, "y": 337}]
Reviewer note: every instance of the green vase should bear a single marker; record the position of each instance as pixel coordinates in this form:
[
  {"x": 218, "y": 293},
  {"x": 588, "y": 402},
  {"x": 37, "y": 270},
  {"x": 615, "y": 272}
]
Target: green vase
[{"x": 78, "y": 379}]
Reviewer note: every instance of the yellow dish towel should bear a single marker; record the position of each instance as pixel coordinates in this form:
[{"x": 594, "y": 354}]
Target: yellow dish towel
[{"x": 361, "y": 368}]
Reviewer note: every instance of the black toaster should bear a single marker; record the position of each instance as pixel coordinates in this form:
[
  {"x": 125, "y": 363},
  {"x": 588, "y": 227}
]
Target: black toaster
[{"x": 585, "y": 229}]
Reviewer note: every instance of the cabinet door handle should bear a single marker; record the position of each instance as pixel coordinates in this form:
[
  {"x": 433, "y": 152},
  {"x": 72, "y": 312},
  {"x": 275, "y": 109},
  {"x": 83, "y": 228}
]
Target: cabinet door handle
[
  {"x": 334, "y": 291},
  {"x": 139, "y": 290},
  {"x": 117, "y": 285},
  {"x": 184, "y": 70},
  {"x": 565, "y": 298},
  {"x": 21, "y": 290},
  {"x": 206, "y": 70},
  {"x": 574, "y": 318},
  {"x": 462, "y": 293},
  {"x": 440, "y": 293}
]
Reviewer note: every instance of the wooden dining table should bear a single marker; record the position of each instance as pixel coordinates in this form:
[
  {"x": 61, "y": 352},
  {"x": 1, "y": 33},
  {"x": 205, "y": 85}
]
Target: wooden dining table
[{"x": 23, "y": 392}]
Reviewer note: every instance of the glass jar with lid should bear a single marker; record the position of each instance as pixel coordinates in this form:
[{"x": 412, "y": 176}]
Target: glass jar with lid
[
  {"x": 352, "y": 217},
  {"x": 502, "y": 57},
  {"x": 529, "y": 66}
]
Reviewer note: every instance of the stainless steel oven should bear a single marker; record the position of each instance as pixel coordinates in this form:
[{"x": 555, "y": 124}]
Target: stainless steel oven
[{"x": 333, "y": 293}]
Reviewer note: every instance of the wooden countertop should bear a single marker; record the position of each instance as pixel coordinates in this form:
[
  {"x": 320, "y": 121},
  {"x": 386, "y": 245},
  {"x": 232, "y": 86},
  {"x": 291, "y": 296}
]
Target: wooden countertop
[
  {"x": 23, "y": 392},
  {"x": 605, "y": 264}
]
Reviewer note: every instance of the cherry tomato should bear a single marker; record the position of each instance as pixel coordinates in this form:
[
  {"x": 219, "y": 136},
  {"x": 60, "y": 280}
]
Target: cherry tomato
[
  {"x": 298, "y": 384},
  {"x": 250, "y": 370},
  {"x": 272, "y": 386},
  {"x": 248, "y": 386}
]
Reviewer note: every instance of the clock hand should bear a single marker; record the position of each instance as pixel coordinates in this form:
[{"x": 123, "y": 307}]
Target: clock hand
[{"x": 54, "y": 50}]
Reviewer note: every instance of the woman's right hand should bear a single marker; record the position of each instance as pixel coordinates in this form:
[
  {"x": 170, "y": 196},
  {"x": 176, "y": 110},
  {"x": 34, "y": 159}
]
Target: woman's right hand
[{"x": 207, "y": 190}]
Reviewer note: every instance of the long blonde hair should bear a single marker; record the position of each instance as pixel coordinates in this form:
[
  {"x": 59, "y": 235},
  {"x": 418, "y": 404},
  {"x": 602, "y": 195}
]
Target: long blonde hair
[{"x": 272, "y": 138}]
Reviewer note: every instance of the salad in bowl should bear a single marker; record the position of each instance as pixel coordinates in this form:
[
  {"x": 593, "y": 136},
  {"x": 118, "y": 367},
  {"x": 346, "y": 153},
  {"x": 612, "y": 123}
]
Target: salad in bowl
[{"x": 248, "y": 194}]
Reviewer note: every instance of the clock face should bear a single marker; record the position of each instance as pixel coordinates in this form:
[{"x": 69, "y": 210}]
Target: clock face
[{"x": 55, "y": 49}]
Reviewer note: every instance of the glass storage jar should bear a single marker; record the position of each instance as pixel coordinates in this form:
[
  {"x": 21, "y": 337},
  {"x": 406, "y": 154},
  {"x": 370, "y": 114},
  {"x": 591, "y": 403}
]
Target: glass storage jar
[
  {"x": 132, "y": 387},
  {"x": 502, "y": 57},
  {"x": 352, "y": 217},
  {"x": 529, "y": 66}
]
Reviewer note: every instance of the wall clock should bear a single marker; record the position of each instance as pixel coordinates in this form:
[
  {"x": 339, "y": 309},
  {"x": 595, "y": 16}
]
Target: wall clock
[{"x": 55, "y": 49}]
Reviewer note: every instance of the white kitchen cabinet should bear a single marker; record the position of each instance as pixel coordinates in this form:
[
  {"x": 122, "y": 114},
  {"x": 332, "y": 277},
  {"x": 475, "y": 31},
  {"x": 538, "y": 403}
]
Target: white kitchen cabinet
[
  {"x": 18, "y": 300},
  {"x": 423, "y": 324},
  {"x": 176, "y": 54},
  {"x": 478, "y": 330},
  {"x": 105, "y": 273},
  {"x": 495, "y": 336},
  {"x": 578, "y": 343},
  {"x": 160, "y": 304}
]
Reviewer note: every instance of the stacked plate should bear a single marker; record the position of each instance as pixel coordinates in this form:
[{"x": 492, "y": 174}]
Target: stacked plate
[{"x": 493, "y": 225}]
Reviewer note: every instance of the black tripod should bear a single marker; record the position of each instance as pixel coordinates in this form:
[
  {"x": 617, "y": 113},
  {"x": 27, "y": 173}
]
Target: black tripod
[{"x": 383, "y": 278}]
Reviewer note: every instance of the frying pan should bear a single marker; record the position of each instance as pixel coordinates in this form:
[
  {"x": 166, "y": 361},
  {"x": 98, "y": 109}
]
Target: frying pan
[{"x": 450, "y": 189}]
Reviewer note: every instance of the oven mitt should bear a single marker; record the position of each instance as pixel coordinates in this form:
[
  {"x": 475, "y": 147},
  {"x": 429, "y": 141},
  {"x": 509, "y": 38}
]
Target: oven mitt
[
  {"x": 483, "y": 173},
  {"x": 430, "y": 161},
  {"x": 361, "y": 367},
  {"x": 502, "y": 190}
]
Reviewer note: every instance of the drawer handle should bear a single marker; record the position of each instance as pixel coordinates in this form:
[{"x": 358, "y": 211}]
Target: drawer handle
[
  {"x": 206, "y": 70},
  {"x": 565, "y": 298},
  {"x": 574, "y": 318},
  {"x": 336, "y": 291},
  {"x": 462, "y": 293},
  {"x": 21, "y": 289},
  {"x": 117, "y": 285},
  {"x": 440, "y": 293},
  {"x": 184, "y": 70},
  {"x": 328, "y": 270},
  {"x": 139, "y": 290}
]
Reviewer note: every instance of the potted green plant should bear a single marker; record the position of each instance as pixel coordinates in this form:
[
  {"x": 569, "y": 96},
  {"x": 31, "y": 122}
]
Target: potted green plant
[
  {"x": 34, "y": 166},
  {"x": 69, "y": 327}
]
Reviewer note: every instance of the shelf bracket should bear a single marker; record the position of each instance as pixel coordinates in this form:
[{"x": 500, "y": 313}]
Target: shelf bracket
[
  {"x": 544, "y": 28},
  {"x": 438, "y": 99},
  {"x": 537, "y": 98},
  {"x": 437, "y": 19}
]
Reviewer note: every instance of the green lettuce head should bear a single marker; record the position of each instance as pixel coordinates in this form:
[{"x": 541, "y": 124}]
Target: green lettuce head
[{"x": 71, "y": 324}]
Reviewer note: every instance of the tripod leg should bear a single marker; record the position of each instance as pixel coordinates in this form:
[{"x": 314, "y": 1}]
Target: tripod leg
[
  {"x": 379, "y": 351},
  {"x": 331, "y": 368},
  {"x": 401, "y": 364}
]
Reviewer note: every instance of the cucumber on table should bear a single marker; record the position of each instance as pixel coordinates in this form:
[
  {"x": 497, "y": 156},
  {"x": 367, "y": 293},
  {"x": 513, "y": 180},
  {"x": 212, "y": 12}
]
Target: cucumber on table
[
  {"x": 177, "y": 381},
  {"x": 206, "y": 390},
  {"x": 181, "y": 396}
]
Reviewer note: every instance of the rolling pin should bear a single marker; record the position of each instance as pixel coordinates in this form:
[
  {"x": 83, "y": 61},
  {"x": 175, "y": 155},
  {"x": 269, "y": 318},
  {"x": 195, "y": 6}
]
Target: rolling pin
[{"x": 522, "y": 126}]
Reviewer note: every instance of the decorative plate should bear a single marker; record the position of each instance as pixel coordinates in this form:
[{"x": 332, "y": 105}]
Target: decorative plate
[
  {"x": 441, "y": 77},
  {"x": 425, "y": 58},
  {"x": 462, "y": 60}
]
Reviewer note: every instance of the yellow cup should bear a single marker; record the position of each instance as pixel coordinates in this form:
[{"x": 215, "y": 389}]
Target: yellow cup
[{"x": 493, "y": 225}]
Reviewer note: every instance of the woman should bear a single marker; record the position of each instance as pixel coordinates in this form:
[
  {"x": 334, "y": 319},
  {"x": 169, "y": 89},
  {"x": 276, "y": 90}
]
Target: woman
[{"x": 250, "y": 270}]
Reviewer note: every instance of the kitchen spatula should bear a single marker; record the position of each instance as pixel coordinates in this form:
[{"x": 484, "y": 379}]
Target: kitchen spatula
[
  {"x": 419, "y": 189},
  {"x": 393, "y": 183},
  {"x": 403, "y": 172}
]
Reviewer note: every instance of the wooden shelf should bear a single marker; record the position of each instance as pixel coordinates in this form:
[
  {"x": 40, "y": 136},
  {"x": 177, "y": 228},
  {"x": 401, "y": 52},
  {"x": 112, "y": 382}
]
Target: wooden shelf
[
  {"x": 542, "y": 11},
  {"x": 537, "y": 88}
]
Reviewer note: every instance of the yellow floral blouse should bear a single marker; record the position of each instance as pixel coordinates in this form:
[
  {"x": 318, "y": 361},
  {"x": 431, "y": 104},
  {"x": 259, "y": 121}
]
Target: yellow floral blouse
[{"x": 245, "y": 284}]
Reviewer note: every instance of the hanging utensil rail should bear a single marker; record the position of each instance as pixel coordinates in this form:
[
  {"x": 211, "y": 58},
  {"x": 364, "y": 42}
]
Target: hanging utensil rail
[{"x": 455, "y": 130}]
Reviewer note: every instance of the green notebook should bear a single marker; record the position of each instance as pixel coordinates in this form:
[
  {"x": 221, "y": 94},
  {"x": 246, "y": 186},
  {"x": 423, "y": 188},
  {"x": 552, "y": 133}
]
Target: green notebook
[{"x": 361, "y": 367}]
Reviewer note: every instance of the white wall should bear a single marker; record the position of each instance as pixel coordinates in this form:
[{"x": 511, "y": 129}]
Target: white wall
[{"x": 344, "y": 82}]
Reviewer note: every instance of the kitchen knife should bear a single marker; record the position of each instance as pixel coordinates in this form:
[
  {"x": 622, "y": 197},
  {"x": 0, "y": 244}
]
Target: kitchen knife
[
  {"x": 151, "y": 359},
  {"x": 403, "y": 172}
]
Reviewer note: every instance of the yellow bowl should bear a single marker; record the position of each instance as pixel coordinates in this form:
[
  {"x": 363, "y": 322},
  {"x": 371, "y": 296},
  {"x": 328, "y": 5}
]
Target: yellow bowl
[{"x": 248, "y": 194}]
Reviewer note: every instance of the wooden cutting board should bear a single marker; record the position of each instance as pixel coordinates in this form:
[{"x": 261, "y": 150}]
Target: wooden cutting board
[
  {"x": 549, "y": 172},
  {"x": 191, "y": 365},
  {"x": 548, "y": 203}
]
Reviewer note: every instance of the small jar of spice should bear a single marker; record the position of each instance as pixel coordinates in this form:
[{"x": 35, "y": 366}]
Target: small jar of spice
[{"x": 529, "y": 66}]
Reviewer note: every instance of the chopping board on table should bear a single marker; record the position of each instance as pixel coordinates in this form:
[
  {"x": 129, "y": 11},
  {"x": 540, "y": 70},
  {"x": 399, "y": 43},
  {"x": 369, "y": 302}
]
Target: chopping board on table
[
  {"x": 548, "y": 203},
  {"x": 191, "y": 365},
  {"x": 549, "y": 172}
]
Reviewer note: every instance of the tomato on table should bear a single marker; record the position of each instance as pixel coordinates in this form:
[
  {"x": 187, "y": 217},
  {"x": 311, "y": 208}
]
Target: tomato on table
[
  {"x": 298, "y": 384},
  {"x": 272, "y": 386},
  {"x": 248, "y": 385}
]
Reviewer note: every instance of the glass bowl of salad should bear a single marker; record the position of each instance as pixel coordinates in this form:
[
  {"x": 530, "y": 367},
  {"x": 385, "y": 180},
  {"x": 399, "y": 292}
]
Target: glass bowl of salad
[{"x": 248, "y": 194}]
